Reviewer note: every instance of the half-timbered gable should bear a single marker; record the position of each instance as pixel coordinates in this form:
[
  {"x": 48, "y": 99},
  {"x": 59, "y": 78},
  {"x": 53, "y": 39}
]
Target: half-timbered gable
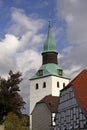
[{"x": 72, "y": 106}]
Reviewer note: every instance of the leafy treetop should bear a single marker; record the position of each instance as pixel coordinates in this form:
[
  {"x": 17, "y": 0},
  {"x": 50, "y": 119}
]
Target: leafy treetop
[{"x": 10, "y": 99}]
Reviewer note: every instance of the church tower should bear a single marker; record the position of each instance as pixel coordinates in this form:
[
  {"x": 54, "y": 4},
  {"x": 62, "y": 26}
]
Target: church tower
[{"x": 50, "y": 78}]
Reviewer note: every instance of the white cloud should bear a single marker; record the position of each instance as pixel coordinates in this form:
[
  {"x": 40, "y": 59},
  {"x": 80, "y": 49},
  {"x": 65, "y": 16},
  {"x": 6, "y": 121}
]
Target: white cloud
[
  {"x": 68, "y": 49},
  {"x": 18, "y": 49},
  {"x": 9, "y": 44},
  {"x": 73, "y": 12},
  {"x": 8, "y": 47},
  {"x": 24, "y": 22},
  {"x": 73, "y": 70},
  {"x": 26, "y": 28},
  {"x": 28, "y": 60}
]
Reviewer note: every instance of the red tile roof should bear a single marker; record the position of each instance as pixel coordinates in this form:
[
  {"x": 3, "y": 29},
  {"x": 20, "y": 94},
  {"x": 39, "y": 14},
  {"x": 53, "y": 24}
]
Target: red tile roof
[
  {"x": 51, "y": 102},
  {"x": 80, "y": 87}
]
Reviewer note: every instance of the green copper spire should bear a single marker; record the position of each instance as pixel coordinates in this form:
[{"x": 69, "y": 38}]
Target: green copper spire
[
  {"x": 49, "y": 45},
  {"x": 50, "y": 65}
]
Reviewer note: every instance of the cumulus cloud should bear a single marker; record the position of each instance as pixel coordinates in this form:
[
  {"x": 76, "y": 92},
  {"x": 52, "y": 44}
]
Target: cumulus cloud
[
  {"x": 8, "y": 47},
  {"x": 18, "y": 49},
  {"x": 27, "y": 63},
  {"x": 10, "y": 44},
  {"x": 73, "y": 12},
  {"x": 21, "y": 20},
  {"x": 26, "y": 28},
  {"x": 27, "y": 60}
]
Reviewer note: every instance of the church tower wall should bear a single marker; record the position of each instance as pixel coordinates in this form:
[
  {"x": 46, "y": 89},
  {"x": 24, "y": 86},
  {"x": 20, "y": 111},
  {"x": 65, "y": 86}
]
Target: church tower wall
[
  {"x": 50, "y": 78},
  {"x": 45, "y": 86}
]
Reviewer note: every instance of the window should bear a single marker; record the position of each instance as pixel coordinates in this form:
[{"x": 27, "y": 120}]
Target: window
[
  {"x": 40, "y": 72},
  {"x": 37, "y": 86},
  {"x": 57, "y": 84},
  {"x": 44, "y": 85},
  {"x": 60, "y": 72},
  {"x": 63, "y": 85}
]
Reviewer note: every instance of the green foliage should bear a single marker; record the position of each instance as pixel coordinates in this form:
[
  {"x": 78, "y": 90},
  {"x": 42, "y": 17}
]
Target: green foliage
[
  {"x": 25, "y": 120},
  {"x": 13, "y": 122},
  {"x": 10, "y": 99}
]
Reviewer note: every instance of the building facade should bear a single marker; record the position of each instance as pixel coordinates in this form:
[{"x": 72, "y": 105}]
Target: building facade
[
  {"x": 43, "y": 115},
  {"x": 50, "y": 78},
  {"x": 72, "y": 106}
]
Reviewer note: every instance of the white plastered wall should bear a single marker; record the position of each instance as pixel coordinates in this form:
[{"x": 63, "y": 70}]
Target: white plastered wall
[
  {"x": 37, "y": 94},
  {"x": 51, "y": 88},
  {"x": 55, "y": 89}
]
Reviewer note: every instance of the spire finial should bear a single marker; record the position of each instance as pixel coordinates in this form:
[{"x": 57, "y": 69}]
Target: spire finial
[
  {"x": 49, "y": 23},
  {"x": 49, "y": 45}
]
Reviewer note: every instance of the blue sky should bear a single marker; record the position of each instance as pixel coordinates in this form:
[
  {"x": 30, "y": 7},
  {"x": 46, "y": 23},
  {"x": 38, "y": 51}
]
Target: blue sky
[
  {"x": 23, "y": 30},
  {"x": 40, "y": 9}
]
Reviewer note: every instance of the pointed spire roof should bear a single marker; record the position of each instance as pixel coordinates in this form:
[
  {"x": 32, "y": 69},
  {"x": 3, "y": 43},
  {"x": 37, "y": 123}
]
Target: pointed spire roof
[
  {"x": 50, "y": 65},
  {"x": 49, "y": 45}
]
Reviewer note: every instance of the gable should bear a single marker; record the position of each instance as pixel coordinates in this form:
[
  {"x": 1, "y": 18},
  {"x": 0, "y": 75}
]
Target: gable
[
  {"x": 69, "y": 113},
  {"x": 80, "y": 87},
  {"x": 51, "y": 102}
]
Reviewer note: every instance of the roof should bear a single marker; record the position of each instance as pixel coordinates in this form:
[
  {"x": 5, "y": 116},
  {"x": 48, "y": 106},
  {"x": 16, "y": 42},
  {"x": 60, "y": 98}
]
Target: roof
[
  {"x": 51, "y": 102},
  {"x": 50, "y": 69},
  {"x": 79, "y": 85},
  {"x": 49, "y": 45}
]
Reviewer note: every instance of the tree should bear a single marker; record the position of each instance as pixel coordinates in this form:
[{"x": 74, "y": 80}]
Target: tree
[
  {"x": 10, "y": 99},
  {"x": 13, "y": 122},
  {"x": 25, "y": 120}
]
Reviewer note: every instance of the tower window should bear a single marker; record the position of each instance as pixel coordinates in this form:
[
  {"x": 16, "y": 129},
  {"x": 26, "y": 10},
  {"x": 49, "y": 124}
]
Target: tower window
[
  {"x": 44, "y": 85},
  {"x": 37, "y": 86},
  {"x": 58, "y": 85},
  {"x": 60, "y": 72},
  {"x": 63, "y": 85},
  {"x": 40, "y": 72}
]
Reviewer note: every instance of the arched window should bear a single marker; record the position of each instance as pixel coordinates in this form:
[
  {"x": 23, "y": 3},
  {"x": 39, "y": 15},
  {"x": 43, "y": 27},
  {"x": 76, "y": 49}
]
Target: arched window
[
  {"x": 37, "y": 86},
  {"x": 58, "y": 84},
  {"x": 44, "y": 85},
  {"x": 63, "y": 85}
]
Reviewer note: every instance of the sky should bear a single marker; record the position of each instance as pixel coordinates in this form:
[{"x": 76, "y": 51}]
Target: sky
[{"x": 23, "y": 31}]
